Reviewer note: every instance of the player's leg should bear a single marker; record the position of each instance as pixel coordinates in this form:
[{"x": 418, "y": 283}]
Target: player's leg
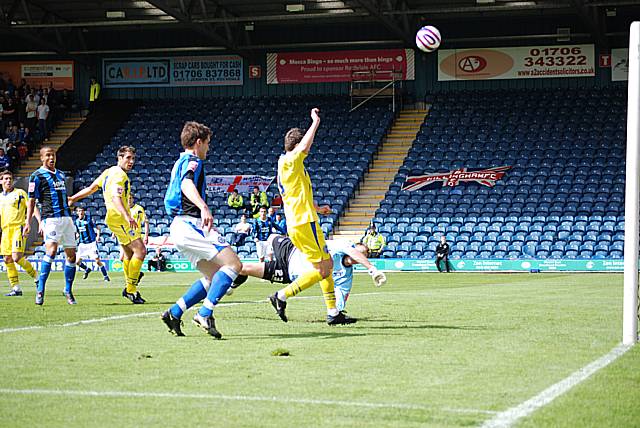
[
  {"x": 103, "y": 268},
  {"x": 135, "y": 252},
  {"x": 230, "y": 265},
  {"x": 51, "y": 237},
  {"x": 12, "y": 274},
  {"x": 25, "y": 264},
  {"x": 69, "y": 274},
  {"x": 342, "y": 295},
  {"x": 82, "y": 252}
]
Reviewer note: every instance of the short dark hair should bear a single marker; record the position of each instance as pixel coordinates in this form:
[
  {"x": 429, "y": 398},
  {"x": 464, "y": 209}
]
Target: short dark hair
[
  {"x": 235, "y": 190},
  {"x": 292, "y": 138},
  {"x": 126, "y": 149},
  {"x": 191, "y": 132}
]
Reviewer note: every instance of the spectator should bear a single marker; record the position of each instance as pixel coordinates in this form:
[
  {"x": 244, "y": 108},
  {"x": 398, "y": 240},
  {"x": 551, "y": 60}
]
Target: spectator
[
  {"x": 23, "y": 149},
  {"x": 258, "y": 199},
  {"x": 27, "y": 140},
  {"x": 241, "y": 231},
  {"x": 94, "y": 95},
  {"x": 442, "y": 254},
  {"x": 14, "y": 157},
  {"x": 374, "y": 241},
  {"x": 280, "y": 224},
  {"x": 235, "y": 201},
  {"x": 43, "y": 115},
  {"x": 158, "y": 261},
  {"x": 271, "y": 213},
  {"x": 31, "y": 109},
  {"x": 9, "y": 112},
  {"x": 12, "y": 134},
  {"x": 66, "y": 101},
  {"x": 5, "y": 162},
  {"x": 261, "y": 233}
]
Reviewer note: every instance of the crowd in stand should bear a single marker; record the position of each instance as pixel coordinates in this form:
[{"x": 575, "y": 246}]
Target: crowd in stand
[{"x": 27, "y": 115}]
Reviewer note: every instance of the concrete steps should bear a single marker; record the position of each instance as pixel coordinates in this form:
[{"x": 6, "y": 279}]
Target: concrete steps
[{"x": 394, "y": 149}]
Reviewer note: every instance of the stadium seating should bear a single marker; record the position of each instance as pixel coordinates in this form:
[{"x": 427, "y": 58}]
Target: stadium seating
[
  {"x": 563, "y": 197},
  {"x": 247, "y": 139}
]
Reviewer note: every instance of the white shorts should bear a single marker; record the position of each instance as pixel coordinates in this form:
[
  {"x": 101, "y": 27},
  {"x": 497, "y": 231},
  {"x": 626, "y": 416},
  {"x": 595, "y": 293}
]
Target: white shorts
[
  {"x": 263, "y": 249},
  {"x": 87, "y": 251},
  {"x": 60, "y": 230},
  {"x": 194, "y": 242}
]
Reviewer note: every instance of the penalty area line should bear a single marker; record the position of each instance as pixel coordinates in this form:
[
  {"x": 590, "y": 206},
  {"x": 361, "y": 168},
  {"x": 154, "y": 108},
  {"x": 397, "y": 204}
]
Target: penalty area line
[
  {"x": 514, "y": 414},
  {"x": 173, "y": 395}
]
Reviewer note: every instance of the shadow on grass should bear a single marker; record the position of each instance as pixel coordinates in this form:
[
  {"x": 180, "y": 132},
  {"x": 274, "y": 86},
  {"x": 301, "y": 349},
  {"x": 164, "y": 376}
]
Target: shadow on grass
[{"x": 304, "y": 335}]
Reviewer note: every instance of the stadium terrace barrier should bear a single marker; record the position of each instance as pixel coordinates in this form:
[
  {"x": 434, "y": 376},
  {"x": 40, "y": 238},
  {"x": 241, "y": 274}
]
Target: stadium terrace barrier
[{"x": 410, "y": 265}]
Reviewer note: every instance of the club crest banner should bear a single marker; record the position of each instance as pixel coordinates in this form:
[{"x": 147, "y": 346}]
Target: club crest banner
[
  {"x": 485, "y": 177},
  {"x": 241, "y": 183}
]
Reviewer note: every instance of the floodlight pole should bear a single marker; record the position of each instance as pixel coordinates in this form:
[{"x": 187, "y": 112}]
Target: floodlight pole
[{"x": 631, "y": 205}]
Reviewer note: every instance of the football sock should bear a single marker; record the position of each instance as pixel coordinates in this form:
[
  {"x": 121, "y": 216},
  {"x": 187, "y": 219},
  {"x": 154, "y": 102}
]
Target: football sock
[
  {"x": 103, "y": 269},
  {"x": 195, "y": 294},
  {"x": 28, "y": 267},
  {"x": 82, "y": 266},
  {"x": 69, "y": 275},
  {"x": 12, "y": 273},
  {"x": 45, "y": 269},
  {"x": 303, "y": 282},
  {"x": 125, "y": 269},
  {"x": 329, "y": 294},
  {"x": 220, "y": 283},
  {"x": 133, "y": 272}
]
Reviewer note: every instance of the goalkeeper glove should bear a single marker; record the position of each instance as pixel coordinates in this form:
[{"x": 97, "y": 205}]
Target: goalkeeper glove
[{"x": 378, "y": 277}]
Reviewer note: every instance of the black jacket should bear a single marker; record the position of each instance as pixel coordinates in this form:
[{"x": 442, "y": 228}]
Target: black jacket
[{"x": 442, "y": 249}]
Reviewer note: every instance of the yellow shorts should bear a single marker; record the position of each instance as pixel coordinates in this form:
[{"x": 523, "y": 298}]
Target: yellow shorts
[
  {"x": 12, "y": 240},
  {"x": 123, "y": 232},
  {"x": 309, "y": 239}
]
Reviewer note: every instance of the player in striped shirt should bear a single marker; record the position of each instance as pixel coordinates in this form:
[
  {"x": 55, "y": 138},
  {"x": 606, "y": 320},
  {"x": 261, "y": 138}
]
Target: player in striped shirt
[
  {"x": 88, "y": 237},
  {"x": 47, "y": 186},
  {"x": 261, "y": 231}
]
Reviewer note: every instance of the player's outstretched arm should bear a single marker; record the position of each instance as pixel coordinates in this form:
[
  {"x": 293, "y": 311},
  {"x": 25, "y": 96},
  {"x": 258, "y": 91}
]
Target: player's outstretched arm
[
  {"x": 378, "y": 277},
  {"x": 307, "y": 141},
  {"x": 87, "y": 191},
  {"x": 190, "y": 190}
]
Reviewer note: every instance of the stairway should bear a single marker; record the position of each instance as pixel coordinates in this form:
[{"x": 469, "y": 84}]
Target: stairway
[
  {"x": 389, "y": 159},
  {"x": 57, "y": 138}
]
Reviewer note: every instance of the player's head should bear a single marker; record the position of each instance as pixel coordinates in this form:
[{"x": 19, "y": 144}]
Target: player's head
[
  {"x": 126, "y": 157},
  {"x": 292, "y": 138},
  {"x": 7, "y": 181},
  {"x": 361, "y": 248},
  {"x": 196, "y": 136},
  {"x": 263, "y": 213},
  {"x": 443, "y": 239},
  {"x": 80, "y": 212},
  {"x": 130, "y": 200},
  {"x": 48, "y": 157}
]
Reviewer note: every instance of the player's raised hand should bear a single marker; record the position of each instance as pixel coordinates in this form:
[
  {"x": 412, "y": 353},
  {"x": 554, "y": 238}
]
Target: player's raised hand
[
  {"x": 207, "y": 218},
  {"x": 315, "y": 114},
  {"x": 324, "y": 210}
]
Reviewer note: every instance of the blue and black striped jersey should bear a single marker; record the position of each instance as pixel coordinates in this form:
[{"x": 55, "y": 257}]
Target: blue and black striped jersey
[
  {"x": 262, "y": 229},
  {"x": 188, "y": 166},
  {"x": 86, "y": 229},
  {"x": 49, "y": 189}
]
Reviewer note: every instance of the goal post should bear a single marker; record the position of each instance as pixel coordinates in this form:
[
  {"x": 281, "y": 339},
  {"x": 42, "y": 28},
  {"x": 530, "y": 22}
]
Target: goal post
[{"x": 631, "y": 205}]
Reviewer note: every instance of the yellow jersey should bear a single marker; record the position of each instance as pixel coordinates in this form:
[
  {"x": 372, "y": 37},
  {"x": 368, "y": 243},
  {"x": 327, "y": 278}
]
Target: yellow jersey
[
  {"x": 114, "y": 182},
  {"x": 294, "y": 184},
  {"x": 138, "y": 214},
  {"x": 13, "y": 208}
]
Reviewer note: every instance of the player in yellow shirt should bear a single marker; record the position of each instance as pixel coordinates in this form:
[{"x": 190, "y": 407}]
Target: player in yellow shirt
[
  {"x": 116, "y": 189},
  {"x": 303, "y": 225},
  {"x": 13, "y": 214}
]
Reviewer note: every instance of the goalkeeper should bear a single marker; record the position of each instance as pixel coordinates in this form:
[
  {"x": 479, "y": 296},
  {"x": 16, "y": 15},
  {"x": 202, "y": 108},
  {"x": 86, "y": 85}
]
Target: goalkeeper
[{"x": 289, "y": 263}]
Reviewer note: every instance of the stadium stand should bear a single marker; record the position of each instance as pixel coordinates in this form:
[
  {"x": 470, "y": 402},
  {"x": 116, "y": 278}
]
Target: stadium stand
[
  {"x": 248, "y": 138},
  {"x": 563, "y": 197}
]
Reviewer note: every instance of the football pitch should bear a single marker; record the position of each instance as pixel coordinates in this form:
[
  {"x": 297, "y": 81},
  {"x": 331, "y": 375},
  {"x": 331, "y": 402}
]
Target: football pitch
[{"x": 428, "y": 350}]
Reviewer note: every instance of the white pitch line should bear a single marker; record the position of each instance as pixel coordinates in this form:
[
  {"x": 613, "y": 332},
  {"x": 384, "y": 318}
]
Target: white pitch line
[
  {"x": 280, "y": 400},
  {"x": 512, "y": 415}
]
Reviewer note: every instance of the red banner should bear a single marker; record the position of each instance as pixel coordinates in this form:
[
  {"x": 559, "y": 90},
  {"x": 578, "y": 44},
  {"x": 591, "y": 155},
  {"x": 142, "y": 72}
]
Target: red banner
[
  {"x": 486, "y": 177},
  {"x": 339, "y": 66}
]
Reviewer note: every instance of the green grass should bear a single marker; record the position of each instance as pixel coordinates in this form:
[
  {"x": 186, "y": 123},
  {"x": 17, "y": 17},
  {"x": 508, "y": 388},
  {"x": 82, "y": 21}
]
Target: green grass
[{"x": 429, "y": 350}]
